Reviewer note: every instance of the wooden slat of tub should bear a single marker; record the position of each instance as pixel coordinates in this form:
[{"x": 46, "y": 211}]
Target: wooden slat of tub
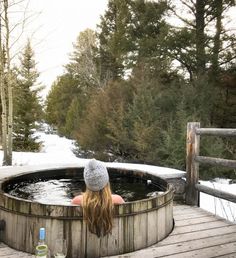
[
  {"x": 12, "y": 221},
  {"x": 30, "y": 228},
  {"x": 78, "y": 236},
  {"x": 105, "y": 246},
  {"x": 20, "y": 222},
  {"x": 140, "y": 230},
  {"x": 53, "y": 228},
  {"x": 111, "y": 243},
  {"x": 120, "y": 235},
  {"x": 92, "y": 245},
  {"x": 140, "y": 226},
  {"x": 128, "y": 234},
  {"x": 169, "y": 218},
  {"x": 193, "y": 238},
  {"x": 152, "y": 226},
  {"x": 161, "y": 223}
]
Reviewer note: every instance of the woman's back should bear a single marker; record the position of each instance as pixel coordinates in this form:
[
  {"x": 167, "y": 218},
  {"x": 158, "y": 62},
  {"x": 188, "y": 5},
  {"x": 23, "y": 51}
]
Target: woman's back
[{"x": 116, "y": 199}]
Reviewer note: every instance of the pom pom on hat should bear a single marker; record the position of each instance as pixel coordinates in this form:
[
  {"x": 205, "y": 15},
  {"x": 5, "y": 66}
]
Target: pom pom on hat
[{"x": 95, "y": 175}]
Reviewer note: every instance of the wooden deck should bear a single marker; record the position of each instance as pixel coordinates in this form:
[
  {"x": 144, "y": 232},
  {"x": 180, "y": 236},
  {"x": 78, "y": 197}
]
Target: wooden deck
[
  {"x": 197, "y": 233},
  {"x": 7, "y": 252}
]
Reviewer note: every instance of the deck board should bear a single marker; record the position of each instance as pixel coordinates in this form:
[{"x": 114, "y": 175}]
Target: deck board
[
  {"x": 233, "y": 255},
  {"x": 199, "y": 220},
  {"x": 197, "y": 233},
  {"x": 7, "y": 252},
  {"x": 207, "y": 233}
]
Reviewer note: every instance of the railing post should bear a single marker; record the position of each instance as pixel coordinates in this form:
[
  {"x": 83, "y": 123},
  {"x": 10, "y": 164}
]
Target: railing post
[{"x": 192, "y": 167}]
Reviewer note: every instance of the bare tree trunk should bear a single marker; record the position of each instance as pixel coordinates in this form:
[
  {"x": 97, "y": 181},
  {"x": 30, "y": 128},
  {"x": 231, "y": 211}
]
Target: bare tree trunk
[
  {"x": 217, "y": 41},
  {"x": 9, "y": 88},
  {"x": 3, "y": 94},
  {"x": 6, "y": 84},
  {"x": 200, "y": 37},
  {"x": 4, "y": 111}
]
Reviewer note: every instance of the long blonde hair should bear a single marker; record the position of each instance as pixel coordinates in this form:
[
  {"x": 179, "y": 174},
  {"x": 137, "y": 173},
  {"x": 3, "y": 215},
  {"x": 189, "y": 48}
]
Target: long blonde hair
[{"x": 98, "y": 210}]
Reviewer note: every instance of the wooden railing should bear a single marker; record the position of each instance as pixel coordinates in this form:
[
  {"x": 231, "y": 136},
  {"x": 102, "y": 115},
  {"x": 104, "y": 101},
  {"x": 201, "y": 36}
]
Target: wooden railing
[{"x": 193, "y": 159}]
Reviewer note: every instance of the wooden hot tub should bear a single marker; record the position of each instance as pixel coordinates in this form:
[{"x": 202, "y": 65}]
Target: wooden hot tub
[{"x": 137, "y": 224}]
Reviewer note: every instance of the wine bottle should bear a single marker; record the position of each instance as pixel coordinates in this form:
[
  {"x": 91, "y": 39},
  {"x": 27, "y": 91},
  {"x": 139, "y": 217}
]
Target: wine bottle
[{"x": 41, "y": 249}]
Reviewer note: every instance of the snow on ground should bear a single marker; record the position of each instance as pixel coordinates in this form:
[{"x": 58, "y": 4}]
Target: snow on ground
[
  {"x": 55, "y": 150},
  {"x": 218, "y": 206},
  {"x": 59, "y": 150}
]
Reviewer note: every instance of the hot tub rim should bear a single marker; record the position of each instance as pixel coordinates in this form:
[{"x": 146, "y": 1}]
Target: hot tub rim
[{"x": 9, "y": 202}]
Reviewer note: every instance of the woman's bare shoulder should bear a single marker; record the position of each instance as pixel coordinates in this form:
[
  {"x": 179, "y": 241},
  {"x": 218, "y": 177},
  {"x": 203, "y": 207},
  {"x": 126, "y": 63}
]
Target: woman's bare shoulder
[
  {"x": 77, "y": 200},
  {"x": 117, "y": 199}
]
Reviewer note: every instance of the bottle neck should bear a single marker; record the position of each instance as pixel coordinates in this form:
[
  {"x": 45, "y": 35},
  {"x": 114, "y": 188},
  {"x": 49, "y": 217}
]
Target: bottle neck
[
  {"x": 41, "y": 235},
  {"x": 41, "y": 242}
]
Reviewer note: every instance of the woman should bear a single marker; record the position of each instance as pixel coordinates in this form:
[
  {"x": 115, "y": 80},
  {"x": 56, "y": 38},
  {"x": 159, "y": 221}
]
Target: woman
[{"x": 97, "y": 201}]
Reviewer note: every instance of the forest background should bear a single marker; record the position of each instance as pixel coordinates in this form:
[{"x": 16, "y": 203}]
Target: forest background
[{"x": 132, "y": 85}]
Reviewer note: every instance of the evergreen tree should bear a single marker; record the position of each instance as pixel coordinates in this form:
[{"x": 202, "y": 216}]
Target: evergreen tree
[
  {"x": 105, "y": 127},
  {"x": 74, "y": 117},
  {"x": 63, "y": 91},
  {"x": 27, "y": 108},
  {"x": 71, "y": 91},
  {"x": 143, "y": 103},
  {"x": 205, "y": 49},
  {"x": 115, "y": 39},
  {"x": 83, "y": 60},
  {"x": 201, "y": 44},
  {"x": 148, "y": 29},
  {"x": 132, "y": 32}
]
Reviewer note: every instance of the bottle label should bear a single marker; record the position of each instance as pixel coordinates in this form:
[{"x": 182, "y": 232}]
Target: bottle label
[
  {"x": 41, "y": 250},
  {"x": 58, "y": 255}
]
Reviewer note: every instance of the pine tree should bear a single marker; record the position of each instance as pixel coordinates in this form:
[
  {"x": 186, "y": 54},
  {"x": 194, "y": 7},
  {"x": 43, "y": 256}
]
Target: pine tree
[
  {"x": 83, "y": 64},
  {"x": 202, "y": 43},
  {"x": 73, "y": 117},
  {"x": 63, "y": 91},
  {"x": 115, "y": 40},
  {"x": 131, "y": 32},
  {"x": 27, "y": 108}
]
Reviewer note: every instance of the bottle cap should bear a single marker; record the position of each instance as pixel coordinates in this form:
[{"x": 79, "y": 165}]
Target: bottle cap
[{"x": 42, "y": 233}]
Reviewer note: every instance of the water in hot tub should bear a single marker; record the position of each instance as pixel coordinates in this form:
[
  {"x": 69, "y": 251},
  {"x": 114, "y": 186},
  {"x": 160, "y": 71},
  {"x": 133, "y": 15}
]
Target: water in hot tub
[{"x": 61, "y": 191}]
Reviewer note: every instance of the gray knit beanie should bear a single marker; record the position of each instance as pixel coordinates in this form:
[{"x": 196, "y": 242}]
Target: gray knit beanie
[{"x": 95, "y": 175}]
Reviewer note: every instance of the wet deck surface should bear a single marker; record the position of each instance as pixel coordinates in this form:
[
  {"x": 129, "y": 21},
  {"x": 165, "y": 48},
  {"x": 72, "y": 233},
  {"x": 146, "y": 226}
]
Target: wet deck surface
[{"x": 197, "y": 233}]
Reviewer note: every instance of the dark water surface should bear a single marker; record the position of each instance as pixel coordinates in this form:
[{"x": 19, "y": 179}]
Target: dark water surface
[{"x": 61, "y": 191}]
